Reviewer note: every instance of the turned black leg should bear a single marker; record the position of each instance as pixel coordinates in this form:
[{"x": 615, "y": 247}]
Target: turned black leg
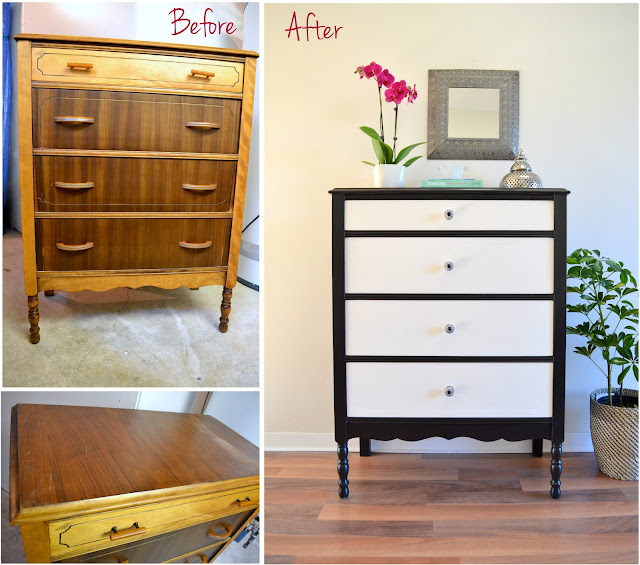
[
  {"x": 225, "y": 308},
  {"x": 556, "y": 469},
  {"x": 34, "y": 318},
  {"x": 536, "y": 447},
  {"x": 365, "y": 447},
  {"x": 343, "y": 470}
]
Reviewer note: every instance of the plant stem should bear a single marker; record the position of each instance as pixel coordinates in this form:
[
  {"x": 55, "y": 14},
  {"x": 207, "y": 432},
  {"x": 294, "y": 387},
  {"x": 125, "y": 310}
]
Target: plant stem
[
  {"x": 381, "y": 124},
  {"x": 395, "y": 132}
]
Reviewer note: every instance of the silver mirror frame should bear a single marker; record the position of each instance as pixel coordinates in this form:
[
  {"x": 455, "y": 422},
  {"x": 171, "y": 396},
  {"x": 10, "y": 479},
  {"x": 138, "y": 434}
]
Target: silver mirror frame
[{"x": 439, "y": 146}]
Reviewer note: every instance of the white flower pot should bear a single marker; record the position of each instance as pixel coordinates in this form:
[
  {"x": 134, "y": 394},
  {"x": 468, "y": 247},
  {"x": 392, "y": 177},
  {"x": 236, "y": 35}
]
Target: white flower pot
[{"x": 389, "y": 176}]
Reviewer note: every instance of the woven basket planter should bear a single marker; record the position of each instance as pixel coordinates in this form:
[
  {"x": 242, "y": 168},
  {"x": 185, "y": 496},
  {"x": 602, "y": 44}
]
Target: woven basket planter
[{"x": 614, "y": 433}]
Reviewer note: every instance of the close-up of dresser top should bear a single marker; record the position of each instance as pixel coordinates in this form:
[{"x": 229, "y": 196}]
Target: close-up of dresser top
[{"x": 133, "y": 164}]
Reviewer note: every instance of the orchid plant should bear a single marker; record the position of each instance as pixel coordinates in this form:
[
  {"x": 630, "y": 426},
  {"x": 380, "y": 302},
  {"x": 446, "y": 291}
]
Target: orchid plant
[{"x": 395, "y": 93}]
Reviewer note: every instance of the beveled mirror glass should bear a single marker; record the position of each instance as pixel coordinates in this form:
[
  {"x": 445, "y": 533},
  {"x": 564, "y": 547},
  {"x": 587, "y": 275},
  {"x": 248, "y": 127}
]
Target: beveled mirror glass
[{"x": 473, "y": 114}]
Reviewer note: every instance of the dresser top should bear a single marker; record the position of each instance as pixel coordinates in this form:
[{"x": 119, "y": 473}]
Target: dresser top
[
  {"x": 62, "y": 454},
  {"x": 132, "y": 43},
  {"x": 514, "y": 193}
]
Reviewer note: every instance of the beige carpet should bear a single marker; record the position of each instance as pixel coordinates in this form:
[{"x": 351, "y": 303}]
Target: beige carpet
[{"x": 127, "y": 337}]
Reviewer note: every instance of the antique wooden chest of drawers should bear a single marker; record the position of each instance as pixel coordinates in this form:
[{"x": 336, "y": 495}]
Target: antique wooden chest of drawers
[
  {"x": 133, "y": 164},
  {"x": 101, "y": 485},
  {"x": 449, "y": 317}
]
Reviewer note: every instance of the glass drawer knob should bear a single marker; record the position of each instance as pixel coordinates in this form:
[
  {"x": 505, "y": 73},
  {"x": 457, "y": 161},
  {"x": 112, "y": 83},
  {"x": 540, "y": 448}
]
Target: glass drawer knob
[
  {"x": 449, "y": 328},
  {"x": 448, "y": 391},
  {"x": 448, "y": 215},
  {"x": 448, "y": 266}
]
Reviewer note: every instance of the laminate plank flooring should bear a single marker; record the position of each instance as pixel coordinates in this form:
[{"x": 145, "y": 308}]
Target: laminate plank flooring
[{"x": 453, "y": 508}]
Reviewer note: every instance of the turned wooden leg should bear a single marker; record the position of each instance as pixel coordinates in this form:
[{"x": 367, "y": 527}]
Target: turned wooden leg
[
  {"x": 556, "y": 469},
  {"x": 536, "y": 447},
  {"x": 225, "y": 308},
  {"x": 343, "y": 470},
  {"x": 49, "y": 292},
  {"x": 34, "y": 318},
  {"x": 365, "y": 447}
]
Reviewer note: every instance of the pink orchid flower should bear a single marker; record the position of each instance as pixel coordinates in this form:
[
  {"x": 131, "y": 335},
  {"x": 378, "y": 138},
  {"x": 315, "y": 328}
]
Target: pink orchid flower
[
  {"x": 360, "y": 71},
  {"x": 385, "y": 78},
  {"x": 413, "y": 94},
  {"x": 397, "y": 93},
  {"x": 372, "y": 70}
]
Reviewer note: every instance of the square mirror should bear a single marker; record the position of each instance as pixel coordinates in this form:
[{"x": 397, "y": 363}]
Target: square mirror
[{"x": 473, "y": 114}]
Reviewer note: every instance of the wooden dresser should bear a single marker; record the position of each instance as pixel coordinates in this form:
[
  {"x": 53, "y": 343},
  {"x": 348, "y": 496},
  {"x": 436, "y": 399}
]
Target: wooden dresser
[
  {"x": 103, "y": 485},
  {"x": 449, "y": 317},
  {"x": 133, "y": 164}
]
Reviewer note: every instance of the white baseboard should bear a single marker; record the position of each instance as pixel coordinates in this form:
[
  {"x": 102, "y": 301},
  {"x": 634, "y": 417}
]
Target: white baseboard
[{"x": 274, "y": 441}]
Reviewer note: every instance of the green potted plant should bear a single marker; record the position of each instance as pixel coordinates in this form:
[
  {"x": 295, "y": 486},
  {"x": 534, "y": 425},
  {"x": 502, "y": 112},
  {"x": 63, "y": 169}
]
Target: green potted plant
[{"x": 611, "y": 332}]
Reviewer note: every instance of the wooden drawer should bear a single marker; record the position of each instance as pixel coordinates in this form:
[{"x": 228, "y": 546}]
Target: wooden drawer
[
  {"x": 131, "y": 121},
  {"x": 131, "y": 243},
  {"x": 171, "y": 546},
  {"x": 91, "y": 533},
  {"x": 432, "y": 215},
  {"x": 419, "y": 327},
  {"x": 142, "y": 70},
  {"x": 112, "y": 184},
  {"x": 480, "y": 390},
  {"x": 455, "y": 265}
]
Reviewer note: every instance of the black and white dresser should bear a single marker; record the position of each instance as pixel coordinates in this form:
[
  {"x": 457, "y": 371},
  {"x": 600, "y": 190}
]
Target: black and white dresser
[{"x": 449, "y": 317}]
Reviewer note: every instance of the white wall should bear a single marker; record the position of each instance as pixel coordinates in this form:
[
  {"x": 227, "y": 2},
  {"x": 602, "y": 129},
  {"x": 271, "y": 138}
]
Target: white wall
[
  {"x": 238, "y": 410},
  {"x": 578, "y": 68}
]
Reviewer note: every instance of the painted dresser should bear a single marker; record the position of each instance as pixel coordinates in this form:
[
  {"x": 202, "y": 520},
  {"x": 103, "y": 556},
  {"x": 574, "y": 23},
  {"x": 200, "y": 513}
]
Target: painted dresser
[
  {"x": 102, "y": 485},
  {"x": 133, "y": 164},
  {"x": 449, "y": 317}
]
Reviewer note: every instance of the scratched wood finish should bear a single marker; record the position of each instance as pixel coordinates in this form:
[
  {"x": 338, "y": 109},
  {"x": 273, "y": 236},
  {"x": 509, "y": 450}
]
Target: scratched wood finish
[
  {"x": 156, "y": 243},
  {"x": 50, "y": 64},
  {"x": 454, "y": 508},
  {"x": 168, "y": 546},
  {"x": 121, "y": 184},
  {"x": 134, "y": 121},
  {"x": 73, "y": 453}
]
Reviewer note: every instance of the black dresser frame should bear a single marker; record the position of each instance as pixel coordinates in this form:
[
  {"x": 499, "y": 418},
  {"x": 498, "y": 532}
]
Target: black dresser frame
[{"x": 484, "y": 429}]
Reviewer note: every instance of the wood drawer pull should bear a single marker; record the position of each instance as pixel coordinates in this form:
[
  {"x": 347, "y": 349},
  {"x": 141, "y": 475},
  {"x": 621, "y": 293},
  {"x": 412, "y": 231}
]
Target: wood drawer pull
[
  {"x": 81, "y": 247},
  {"x": 200, "y": 187},
  {"x": 202, "y": 557},
  {"x": 225, "y": 535},
  {"x": 188, "y": 245},
  {"x": 202, "y": 125},
  {"x": 73, "y": 120},
  {"x": 135, "y": 530},
  {"x": 246, "y": 502},
  {"x": 206, "y": 74},
  {"x": 81, "y": 66},
  {"x": 73, "y": 185}
]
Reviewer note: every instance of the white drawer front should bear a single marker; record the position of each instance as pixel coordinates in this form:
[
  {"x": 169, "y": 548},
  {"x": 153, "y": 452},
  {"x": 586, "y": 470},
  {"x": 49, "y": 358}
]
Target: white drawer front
[
  {"x": 480, "y": 327},
  {"x": 467, "y": 215},
  {"x": 477, "y": 265},
  {"x": 416, "y": 390}
]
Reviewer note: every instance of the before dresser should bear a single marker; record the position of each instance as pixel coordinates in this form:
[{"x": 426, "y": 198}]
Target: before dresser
[
  {"x": 133, "y": 164},
  {"x": 449, "y": 317},
  {"x": 104, "y": 485}
]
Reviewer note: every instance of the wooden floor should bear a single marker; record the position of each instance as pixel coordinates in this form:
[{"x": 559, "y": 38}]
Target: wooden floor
[{"x": 454, "y": 508}]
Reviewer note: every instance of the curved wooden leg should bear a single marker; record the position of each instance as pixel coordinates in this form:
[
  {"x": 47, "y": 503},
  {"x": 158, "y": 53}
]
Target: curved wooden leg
[
  {"x": 34, "y": 318},
  {"x": 556, "y": 469},
  {"x": 49, "y": 292},
  {"x": 536, "y": 447},
  {"x": 343, "y": 470},
  {"x": 365, "y": 446},
  {"x": 225, "y": 308}
]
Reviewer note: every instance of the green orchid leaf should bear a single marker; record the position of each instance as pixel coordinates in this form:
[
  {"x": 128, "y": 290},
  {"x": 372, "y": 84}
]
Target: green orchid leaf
[
  {"x": 367, "y": 163},
  {"x": 371, "y": 133},
  {"x": 388, "y": 153},
  {"x": 377, "y": 147},
  {"x": 405, "y": 152},
  {"x": 412, "y": 160}
]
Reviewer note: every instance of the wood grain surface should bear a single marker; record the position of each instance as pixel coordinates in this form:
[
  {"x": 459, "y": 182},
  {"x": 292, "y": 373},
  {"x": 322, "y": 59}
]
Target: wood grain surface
[
  {"x": 132, "y": 243},
  {"x": 127, "y": 185},
  {"x": 130, "y": 121},
  {"x": 73, "y": 453},
  {"x": 454, "y": 508}
]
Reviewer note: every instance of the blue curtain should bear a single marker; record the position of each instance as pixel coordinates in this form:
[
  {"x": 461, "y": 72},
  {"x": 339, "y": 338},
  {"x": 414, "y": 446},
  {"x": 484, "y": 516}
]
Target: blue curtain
[{"x": 6, "y": 105}]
